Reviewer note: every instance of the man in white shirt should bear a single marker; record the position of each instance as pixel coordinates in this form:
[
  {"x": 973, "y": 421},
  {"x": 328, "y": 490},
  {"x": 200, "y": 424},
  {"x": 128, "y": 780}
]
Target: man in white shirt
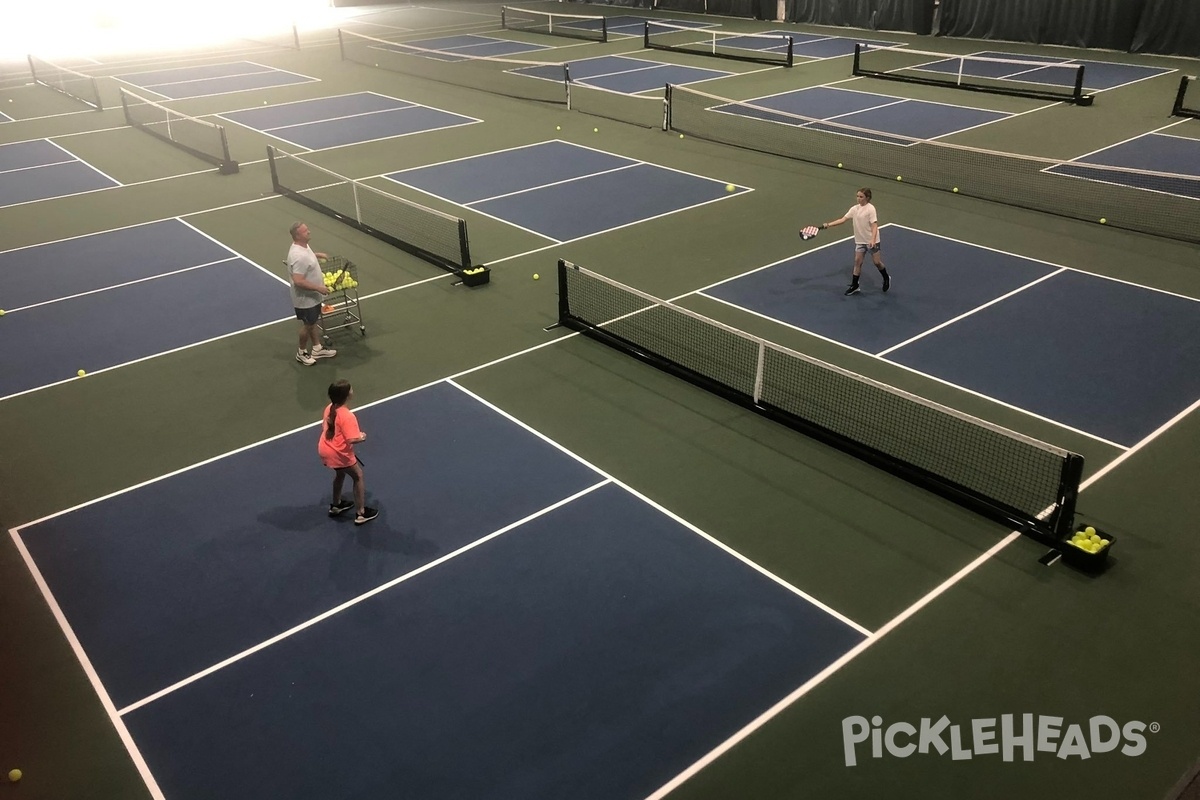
[
  {"x": 866, "y": 238},
  {"x": 308, "y": 292}
]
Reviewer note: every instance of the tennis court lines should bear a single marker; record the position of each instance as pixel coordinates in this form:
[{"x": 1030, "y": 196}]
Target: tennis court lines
[
  {"x": 346, "y": 119},
  {"x": 562, "y": 191},
  {"x": 512, "y": 609},
  {"x": 39, "y": 169},
  {"x": 1109, "y": 359},
  {"x": 151, "y": 288},
  {"x": 625, "y": 74},
  {"x": 1177, "y": 158},
  {"x": 213, "y": 79},
  {"x": 863, "y": 114},
  {"x": 1098, "y": 76}
]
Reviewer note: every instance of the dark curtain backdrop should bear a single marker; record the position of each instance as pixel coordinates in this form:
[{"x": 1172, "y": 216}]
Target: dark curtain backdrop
[
  {"x": 738, "y": 8},
  {"x": 913, "y": 16},
  {"x": 1169, "y": 27}
]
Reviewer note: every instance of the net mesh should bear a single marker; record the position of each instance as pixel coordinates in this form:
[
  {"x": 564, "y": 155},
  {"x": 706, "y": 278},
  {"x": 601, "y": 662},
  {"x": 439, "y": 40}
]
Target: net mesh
[
  {"x": 1023, "y": 478},
  {"x": 758, "y": 48},
  {"x": 1043, "y": 79},
  {"x": 1187, "y": 101},
  {"x": 425, "y": 232},
  {"x": 529, "y": 80},
  {"x": 199, "y": 137},
  {"x": 645, "y": 110},
  {"x": 1159, "y": 203},
  {"x": 573, "y": 26},
  {"x": 69, "y": 82}
]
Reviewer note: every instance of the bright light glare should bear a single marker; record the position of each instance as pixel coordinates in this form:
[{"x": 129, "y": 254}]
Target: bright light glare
[{"x": 84, "y": 28}]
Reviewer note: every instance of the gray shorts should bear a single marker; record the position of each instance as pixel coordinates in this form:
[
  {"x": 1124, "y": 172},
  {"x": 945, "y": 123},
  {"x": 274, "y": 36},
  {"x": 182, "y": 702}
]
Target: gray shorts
[{"x": 862, "y": 248}]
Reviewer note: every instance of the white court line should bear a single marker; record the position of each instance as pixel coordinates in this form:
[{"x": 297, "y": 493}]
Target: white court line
[
  {"x": 118, "y": 285},
  {"x": 39, "y": 166},
  {"x": 355, "y": 115},
  {"x": 971, "y": 312},
  {"x": 86, "y": 164},
  {"x": 356, "y": 600},
  {"x": 563, "y": 182}
]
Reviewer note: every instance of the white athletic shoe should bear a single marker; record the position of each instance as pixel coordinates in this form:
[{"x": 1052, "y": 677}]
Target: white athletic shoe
[
  {"x": 304, "y": 358},
  {"x": 323, "y": 352}
]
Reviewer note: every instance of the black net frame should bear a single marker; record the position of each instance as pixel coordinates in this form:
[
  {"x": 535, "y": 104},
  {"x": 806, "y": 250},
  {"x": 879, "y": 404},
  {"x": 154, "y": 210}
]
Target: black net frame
[
  {"x": 1004, "y": 475},
  {"x": 438, "y": 238},
  {"x": 890, "y": 63},
  {"x": 552, "y": 24},
  {"x": 67, "y": 81},
  {"x": 201, "y": 138},
  {"x": 706, "y": 42},
  {"x": 1184, "y": 97}
]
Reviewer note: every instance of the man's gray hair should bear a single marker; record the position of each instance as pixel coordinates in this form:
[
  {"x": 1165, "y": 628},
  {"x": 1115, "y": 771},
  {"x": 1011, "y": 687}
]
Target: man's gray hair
[{"x": 295, "y": 227}]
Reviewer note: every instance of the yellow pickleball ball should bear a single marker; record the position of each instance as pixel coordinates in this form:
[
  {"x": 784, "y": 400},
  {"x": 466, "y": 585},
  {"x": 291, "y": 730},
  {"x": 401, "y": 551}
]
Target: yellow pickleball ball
[
  {"x": 899, "y": 177},
  {"x": 536, "y": 276},
  {"x": 14, "y": 775},
  {"x": 1, "y": 312},
  {"x": 839, "y": 165},
  {"x": 681, "y": 136},
  {"x": 1103, "y": 220},
  {"x": 81, "y": 373},
  {"x": 729, "y": 187},
  {"x": 558, "y": 127},
  {"x": 956, "y": 190}
]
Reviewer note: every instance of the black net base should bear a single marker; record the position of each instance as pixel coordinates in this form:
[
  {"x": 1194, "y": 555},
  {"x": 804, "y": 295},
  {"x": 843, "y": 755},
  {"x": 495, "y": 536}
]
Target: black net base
[{"x": 1187, "y": 99}]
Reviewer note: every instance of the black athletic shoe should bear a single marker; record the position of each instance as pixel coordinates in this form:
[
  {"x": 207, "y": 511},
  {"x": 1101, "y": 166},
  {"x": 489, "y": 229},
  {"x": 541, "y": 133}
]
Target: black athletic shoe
[
  {"x": 336, "y": 509},
  {"x": 887, "y": 282},
  {"x": 366, "y": 515},
  {"x": 853, "y": 289}
]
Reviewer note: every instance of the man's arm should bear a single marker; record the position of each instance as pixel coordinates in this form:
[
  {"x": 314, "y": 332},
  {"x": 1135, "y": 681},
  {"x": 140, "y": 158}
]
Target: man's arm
[{"x": 298, "y": 280}]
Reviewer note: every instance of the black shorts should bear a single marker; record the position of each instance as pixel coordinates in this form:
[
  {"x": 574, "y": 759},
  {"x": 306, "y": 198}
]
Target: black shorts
[{"x": 309, "y": 316}]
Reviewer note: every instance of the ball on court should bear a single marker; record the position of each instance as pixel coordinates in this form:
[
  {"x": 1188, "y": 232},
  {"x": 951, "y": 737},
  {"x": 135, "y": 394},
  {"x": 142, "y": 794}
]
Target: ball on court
[
  {"x": 536, "y": 276},
  {"x": 1103, "y": 220},
  {"x": 1, "y": 312},
  {"x": 595, "y": 130},
  {"x": 81, "y": 373},
  {"x": 558, "y": 127},
  {"x": 681, "y": 136},
  {"x": 839, "y": 165},
  {"x": 14, "y": 775},
  {"x": 899, "y": 177},
  {"x": 956, "y": 190},
  {"x": 729, "y": 187}
]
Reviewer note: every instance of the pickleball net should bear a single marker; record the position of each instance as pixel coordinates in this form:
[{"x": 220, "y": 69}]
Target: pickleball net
[
  {"x": 203, "y": 139},
  {"x": 572, "y": 26},
  {"x": 427, "y": 233},
  {"x": 1055, "y": 80},
  {"x": 67, "y": 81},
  {"x": 543, "y": 81},
  {"x": 1187, "y": 99},
  {"x": 1003, "y": 474},
  {"x": 1161, "y": 203},
  {"x": 757, "y": 48}
]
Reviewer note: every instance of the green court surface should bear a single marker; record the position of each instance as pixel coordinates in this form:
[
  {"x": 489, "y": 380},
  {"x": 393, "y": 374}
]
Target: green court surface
[{"x": 966, "y": 622}]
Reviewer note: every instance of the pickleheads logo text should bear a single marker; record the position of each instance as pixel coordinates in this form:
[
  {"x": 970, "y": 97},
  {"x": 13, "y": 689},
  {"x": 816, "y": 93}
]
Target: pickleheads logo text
[{"x": 1025, "y": 735}]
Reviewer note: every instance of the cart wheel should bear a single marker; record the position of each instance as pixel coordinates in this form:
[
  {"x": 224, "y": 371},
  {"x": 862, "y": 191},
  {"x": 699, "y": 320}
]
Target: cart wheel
[
  {"x": 362, "y": 329},
  {"x": 327, "y": 339}
]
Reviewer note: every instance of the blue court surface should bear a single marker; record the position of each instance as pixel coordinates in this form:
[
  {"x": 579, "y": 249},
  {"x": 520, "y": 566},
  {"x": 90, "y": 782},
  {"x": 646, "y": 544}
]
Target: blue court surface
[
  {"x": 815, "y": 46},
  {"x": 149, "y": 289},
  {"x": 345, "y": 119},
  {"x": 203, "y": 81},
  {"x": 514, "y": 624},
  {"x": 5, "y": 117},
  {"x": 39, "y": 169},
  {"x": 625, "y": 74},
  {"x": 563, "y": 191},
  {"x": 873, "y": 115},
  {"x": 1097, "y": 75},
  {"x": 1109, "y": 359},
  {"x": 1178, "y": 156}
]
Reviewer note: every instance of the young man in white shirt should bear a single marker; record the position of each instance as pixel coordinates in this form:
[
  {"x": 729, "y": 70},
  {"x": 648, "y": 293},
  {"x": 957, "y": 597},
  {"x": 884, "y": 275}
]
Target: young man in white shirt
[{"x": 866, "y": 238}]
